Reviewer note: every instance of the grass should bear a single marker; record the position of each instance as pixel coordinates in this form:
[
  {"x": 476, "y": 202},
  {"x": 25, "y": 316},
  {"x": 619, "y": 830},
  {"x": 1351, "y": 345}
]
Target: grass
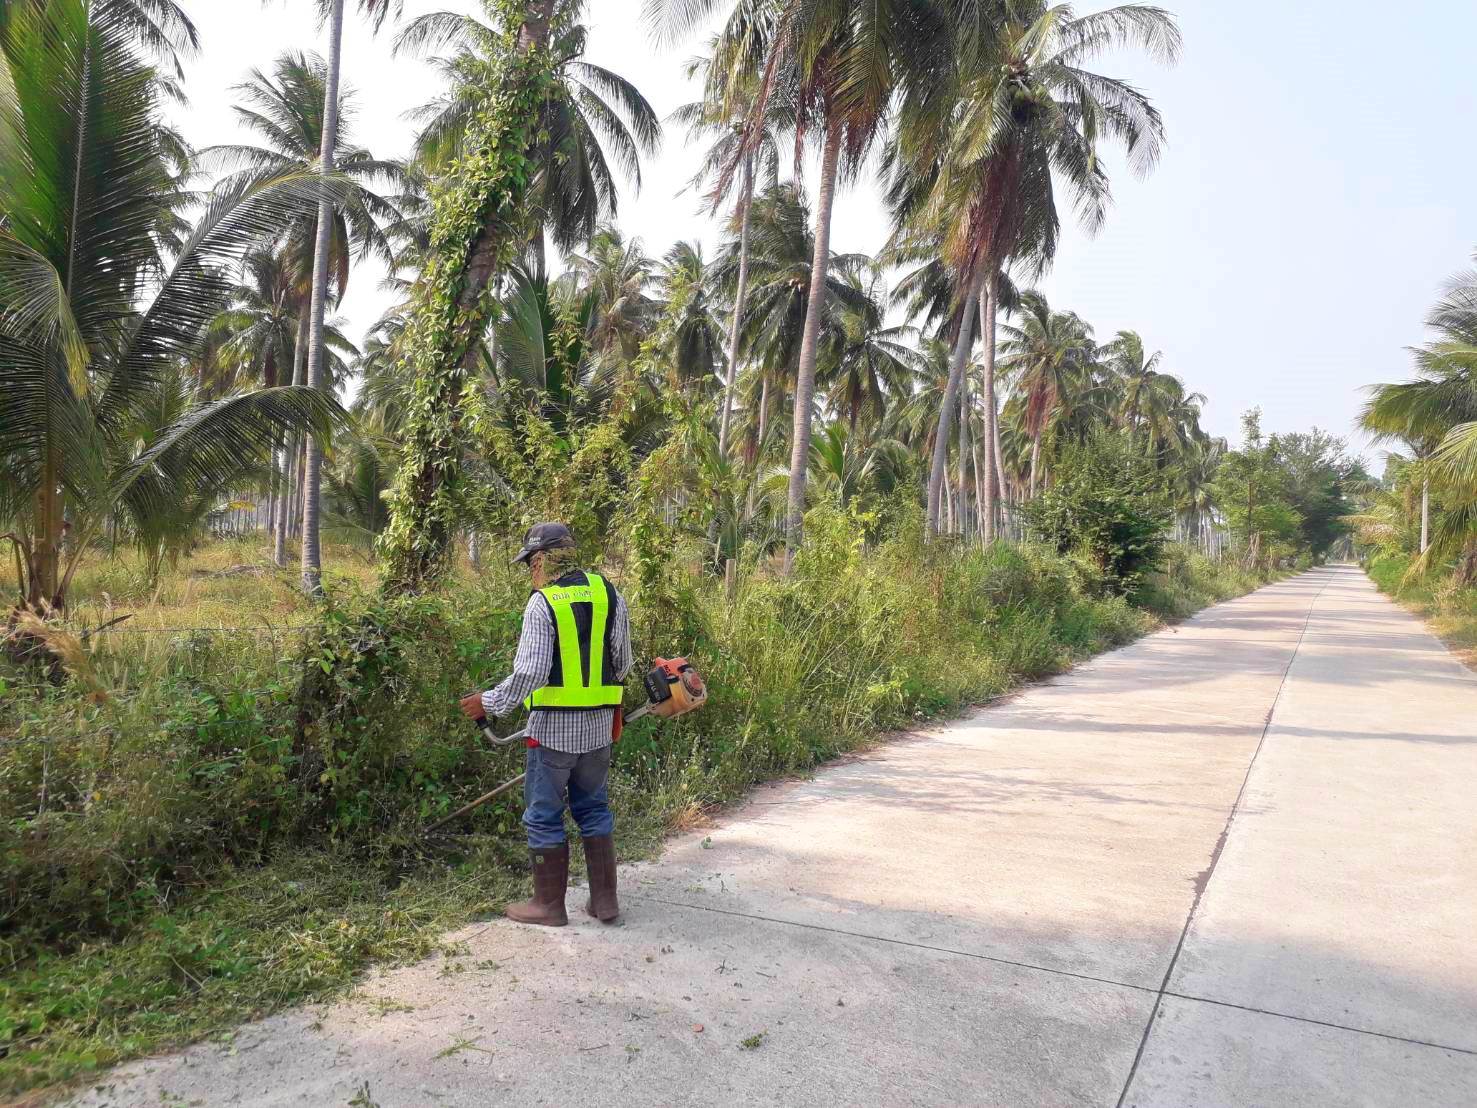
[
  {"x": 223, "y": 584},
  {"x": 187, "y": 876},
  {"x": 1188, "y": 581}
]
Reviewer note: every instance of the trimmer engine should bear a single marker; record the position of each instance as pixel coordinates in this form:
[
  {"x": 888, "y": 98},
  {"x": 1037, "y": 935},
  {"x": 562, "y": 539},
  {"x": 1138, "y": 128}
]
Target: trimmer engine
[{"x": 674, "y": 687}]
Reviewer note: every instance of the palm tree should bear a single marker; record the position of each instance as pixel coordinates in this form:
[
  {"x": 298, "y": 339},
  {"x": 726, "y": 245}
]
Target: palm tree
[
  {"x": 468, "y": 248},
  {"x": 253, "y": 339},
  {"x": 697, "y": 336},
  {"x": 354, "y": 486},
  {"x": 95, "y": 318},
  {"x": 1049, "y": 356},
  {"x": 285, "y": 109},
  {"x": 592, "y": 120},
  {"x": 1455, "y": 318},
  {"x": 868, "y": 363},
  {"x": 1437, "y": 415},
  {"x": 617, "y": 273},
  {"x": 332, "y": 12},
  {"x": 782, "y": 258},
  {"x": 838, "y": 68},
  {"x": 1010, "y": 115},
  {"x": 1136, "y": 372},
  {"x": 530, "y": 366},
  {"x": 160, "y": 27},
  {"x": 258, "y": 336},
  {"x": 846, "y": 465},
  {"x": 255, "y": 336},
  {"x": 727, "y": 102},
  {"x": 1170, "y": 418}
]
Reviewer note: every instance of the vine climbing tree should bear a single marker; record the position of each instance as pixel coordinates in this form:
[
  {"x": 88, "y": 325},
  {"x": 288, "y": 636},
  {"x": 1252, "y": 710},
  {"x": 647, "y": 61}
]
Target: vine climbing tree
[{"x": 479, "y": 221}]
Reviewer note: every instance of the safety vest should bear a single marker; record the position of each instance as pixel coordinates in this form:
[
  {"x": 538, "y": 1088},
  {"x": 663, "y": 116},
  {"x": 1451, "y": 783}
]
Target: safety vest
[{"x": 581, "y": 677}]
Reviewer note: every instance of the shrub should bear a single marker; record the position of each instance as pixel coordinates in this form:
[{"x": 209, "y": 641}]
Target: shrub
[{"x": 1107, "y": 500}]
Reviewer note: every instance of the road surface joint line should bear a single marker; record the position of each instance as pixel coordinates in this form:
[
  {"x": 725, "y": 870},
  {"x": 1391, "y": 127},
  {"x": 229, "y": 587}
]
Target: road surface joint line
[
  {"x": 893, "y": 941},
  {"x": 1055, "y": 971},
  {"x": 1322, "y": 1023},
  {"x": 1215, "y": 856}
]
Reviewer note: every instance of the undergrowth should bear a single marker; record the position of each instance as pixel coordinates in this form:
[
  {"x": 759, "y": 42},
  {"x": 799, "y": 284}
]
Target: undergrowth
[
  {"x": 195, "y": 835},
  {"x": 1186, "y": 581}
]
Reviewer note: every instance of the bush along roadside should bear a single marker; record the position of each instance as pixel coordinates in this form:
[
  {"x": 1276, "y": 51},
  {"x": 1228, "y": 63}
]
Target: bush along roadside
[{"x": 224, "y": 836}]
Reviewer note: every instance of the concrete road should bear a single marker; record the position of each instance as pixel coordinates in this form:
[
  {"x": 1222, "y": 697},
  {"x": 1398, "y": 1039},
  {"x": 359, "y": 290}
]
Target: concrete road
[{"x": 1234, "y": 863}]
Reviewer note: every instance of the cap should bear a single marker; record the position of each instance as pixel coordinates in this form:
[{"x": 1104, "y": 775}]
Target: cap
[{"x": 545, "y": 536}]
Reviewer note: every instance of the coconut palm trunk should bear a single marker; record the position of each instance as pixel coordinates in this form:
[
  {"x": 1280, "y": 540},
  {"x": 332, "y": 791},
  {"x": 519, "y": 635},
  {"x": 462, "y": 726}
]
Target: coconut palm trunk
[
  {"x": 1425, "y": 514},
  {"x": 313, "y": 462},
  {"x": 964, "y": 451},
  {"x": 809, "y": 343},
  {"x": 44, "y": 593},
  {"x": 763, "y": 431},
  {"x": 979, "y": 493},
  {"x": 946, "y": 414},
  {"x": 1035, "y": 461},
  {"x": 992, "y": 429},
  {"x": 746, "y": 202},
  {"x": 1002, "y": 486},
  {"x": 287, "y": 505}
]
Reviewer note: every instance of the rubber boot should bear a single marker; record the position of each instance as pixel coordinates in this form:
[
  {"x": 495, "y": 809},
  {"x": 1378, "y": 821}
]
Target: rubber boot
[
  {"x": 600, "y": 866},
  {"x": 550, "y": 880}
]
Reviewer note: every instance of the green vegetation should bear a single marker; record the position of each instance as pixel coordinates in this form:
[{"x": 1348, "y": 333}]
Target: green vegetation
[
  {"x": 1108, "y": 501},
  {"x": 1286, "y": 497},
  {"x": 1426, "y": 504},
  {"x": 189, "y": 872},
  {"x": 1417, "y": 525},
  {"x": 105, "y": 292}
]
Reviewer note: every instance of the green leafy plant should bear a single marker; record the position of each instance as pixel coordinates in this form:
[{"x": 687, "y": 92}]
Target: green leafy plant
[
  {"x": 92, "y": 425},
  {"x": 1107, "y": 500}
]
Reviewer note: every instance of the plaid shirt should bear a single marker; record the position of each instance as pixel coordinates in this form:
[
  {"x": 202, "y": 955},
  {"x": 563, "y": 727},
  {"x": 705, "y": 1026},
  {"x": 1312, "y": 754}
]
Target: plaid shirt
[{"x": 570, "y": 732}]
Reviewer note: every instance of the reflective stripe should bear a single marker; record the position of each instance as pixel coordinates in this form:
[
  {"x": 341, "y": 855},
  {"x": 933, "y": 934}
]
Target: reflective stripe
[{"x": 576, "y": 691}]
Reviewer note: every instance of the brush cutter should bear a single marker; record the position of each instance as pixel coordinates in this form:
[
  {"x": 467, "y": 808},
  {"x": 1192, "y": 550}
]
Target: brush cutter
[{"x": 673, "y": 688}]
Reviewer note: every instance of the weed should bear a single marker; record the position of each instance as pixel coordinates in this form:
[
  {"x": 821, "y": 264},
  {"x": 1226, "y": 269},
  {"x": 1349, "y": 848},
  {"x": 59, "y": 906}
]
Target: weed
[
  {"x": 460, "y": 1044},
  {"x": 384, "y": 1006},
  {"x": 754, "y": 1041}
]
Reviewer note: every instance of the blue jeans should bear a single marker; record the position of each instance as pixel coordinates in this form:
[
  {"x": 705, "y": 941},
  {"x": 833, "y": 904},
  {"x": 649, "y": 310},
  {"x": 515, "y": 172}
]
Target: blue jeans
[{"x": 553, "y": 774}]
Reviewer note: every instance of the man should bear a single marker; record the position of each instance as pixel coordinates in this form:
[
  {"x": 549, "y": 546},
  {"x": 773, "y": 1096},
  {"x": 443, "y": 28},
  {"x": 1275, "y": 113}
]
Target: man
[{"x": 573, "y": 656}]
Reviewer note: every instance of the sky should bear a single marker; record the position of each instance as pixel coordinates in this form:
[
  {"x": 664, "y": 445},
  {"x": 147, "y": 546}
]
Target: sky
[{"x": 1318, "y": 189}]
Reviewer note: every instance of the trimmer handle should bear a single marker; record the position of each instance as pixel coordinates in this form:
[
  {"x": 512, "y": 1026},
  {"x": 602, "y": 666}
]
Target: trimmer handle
[{"x": 483, "y": 724}]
